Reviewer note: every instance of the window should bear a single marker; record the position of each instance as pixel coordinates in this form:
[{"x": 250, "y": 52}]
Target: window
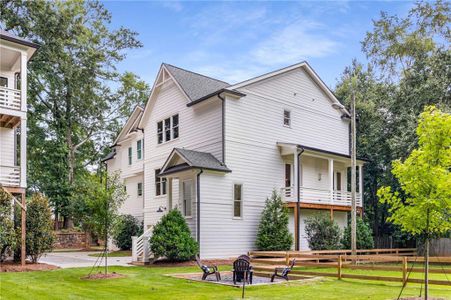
[
  {"x": 286, "y": 118},
  {"x": 187, "y": 197},
  {"x": 237, "y": 200},
  {"x": 139, "y": 147},
  {"x": 130, "y": 151},
  {"x": 168, "y": 129},
  {"x": 4, "y": 81},
  {"x": 338, "y": 182},
  {"x": 140, "y": 189},
  {"x": 160, "y": 184},
  {"x": 175, "y": 126},
  {"x": 17, "y": 81}
]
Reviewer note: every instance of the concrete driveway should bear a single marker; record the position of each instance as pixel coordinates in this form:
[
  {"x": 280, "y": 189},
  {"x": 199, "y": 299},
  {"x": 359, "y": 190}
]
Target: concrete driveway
[{"x": 80, "y": 259}]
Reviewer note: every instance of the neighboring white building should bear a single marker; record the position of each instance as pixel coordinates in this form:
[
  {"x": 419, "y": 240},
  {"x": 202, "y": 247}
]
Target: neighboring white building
[
  {"x": 216, "y": 151},
  {"x": 14, "y": 55}
]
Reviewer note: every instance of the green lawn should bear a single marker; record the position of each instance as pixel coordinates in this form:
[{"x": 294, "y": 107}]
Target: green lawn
[
  {"x": 120, "y": 253},
  {"x": 150, "y": 283}
]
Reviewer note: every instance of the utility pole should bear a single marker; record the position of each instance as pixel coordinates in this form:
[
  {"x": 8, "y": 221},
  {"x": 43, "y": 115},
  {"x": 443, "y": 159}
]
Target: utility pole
[{"x": 353, "y": 172}]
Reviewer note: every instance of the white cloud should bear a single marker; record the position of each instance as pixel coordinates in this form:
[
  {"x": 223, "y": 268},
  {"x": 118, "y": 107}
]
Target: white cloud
[
  {"x": 295, "y": 42},
  {"x": 173, "y": 5}
]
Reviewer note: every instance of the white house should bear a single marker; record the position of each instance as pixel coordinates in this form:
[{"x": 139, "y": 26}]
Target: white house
[
  {"x": 14, "y": 55},
  {"x": 216, "y": 151}
]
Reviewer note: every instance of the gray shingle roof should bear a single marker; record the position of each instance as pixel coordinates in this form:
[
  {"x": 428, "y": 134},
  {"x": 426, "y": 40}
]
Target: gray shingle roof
[
  {"x": 195, "y": 159},
  {"x": 195, "y": 85},
  {"x": 6, "y": 35}
]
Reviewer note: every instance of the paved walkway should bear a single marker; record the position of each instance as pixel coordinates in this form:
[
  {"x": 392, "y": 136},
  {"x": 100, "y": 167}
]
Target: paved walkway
[{"x": 80, "y": 259}]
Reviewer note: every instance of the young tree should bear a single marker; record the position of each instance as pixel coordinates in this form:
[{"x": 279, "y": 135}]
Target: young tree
[
  {"x": 273, "y": 233},
  {"x": 322, "y": 233},
  {"x": 172, "y": 238},
  {"x": 77, "y": 98},
  {"x": 8, "y": 238},
  {"x": 39, "y": 224},
  {"x": 424, "y": 206}
]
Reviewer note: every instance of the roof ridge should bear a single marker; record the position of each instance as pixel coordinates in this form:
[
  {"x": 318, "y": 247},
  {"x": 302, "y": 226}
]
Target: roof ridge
[{"x": 192, "y": 72}]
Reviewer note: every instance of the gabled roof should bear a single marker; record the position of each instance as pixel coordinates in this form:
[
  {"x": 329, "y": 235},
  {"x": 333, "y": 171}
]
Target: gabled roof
[
  {"x": 109, "y": 156},
  {"x": 193, "y": 84},
  {"x": 192, "y": 159},
  {"x": 132, "y": 123},
  {"x": 335, "y": 102},
  {"x": 7, "y": 36}
]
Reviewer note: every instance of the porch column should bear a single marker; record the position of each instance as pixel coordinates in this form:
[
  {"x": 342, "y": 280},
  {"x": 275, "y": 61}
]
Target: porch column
[
  {"x": 170, "y": 193},
  {"x": 331, "y": 180},
  {"x": 361, "y": 184},
  {"x": 23, "y": 152},
  {"x": 295, "y": 192},
  {"x": 23, "y": 81}
]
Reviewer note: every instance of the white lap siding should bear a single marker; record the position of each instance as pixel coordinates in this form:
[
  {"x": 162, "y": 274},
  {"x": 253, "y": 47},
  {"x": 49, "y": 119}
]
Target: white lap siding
[
  {"x": 7, "y": 147},
  {"x": 199, "y": 129},
  {"x": 134, "y": 204}
]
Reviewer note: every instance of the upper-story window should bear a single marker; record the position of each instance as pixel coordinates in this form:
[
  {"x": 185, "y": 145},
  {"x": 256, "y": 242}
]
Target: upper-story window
[
  {"x": 287, "y": 118},
  {"x": 130, "y": 155},
  {"x": 160, "y": 184},
  {"x": 139, "y": 149},
  {"x": 3, "y": 81},
  {"x": 168, "y": 129}
]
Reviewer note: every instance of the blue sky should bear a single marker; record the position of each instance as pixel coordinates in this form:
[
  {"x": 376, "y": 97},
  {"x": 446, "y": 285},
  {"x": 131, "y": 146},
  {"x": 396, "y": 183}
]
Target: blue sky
[{"x": 234, "y": 41}]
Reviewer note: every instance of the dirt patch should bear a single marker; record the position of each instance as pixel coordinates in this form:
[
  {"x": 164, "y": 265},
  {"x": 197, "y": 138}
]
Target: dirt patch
[
  {"x": 103, "y": 276},
  {"x": 420, "y": 298},
  {"x": 10, "y": 266},
  {"x": 166, "y": 263}
]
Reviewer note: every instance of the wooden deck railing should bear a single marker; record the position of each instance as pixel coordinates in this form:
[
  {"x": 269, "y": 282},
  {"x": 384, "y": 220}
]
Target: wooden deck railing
[
  {"x": 264, "y": 262},
  {"x": 10, "y": 175},
  {"x": 10, "y": 98},
  {"x": 318, "y": 196}
]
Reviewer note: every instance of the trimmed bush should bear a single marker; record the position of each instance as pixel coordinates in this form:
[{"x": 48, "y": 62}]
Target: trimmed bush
[
  {"x": 273, "y": 233},
  {"x": 40, "y": 237},
  {"x": 8, "y": 237},
  {"x": 364, "y": 236},
  {"x": 322, "y": 233},
  {"x": 126, "y": 227},
  {"x": 172, "y": 238}
]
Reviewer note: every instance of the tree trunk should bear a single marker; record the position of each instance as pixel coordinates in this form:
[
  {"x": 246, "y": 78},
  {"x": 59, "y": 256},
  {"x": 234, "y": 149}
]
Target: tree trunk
[
  {"x": 426, "y": 269},
  {"x": 68, "y": 223}
]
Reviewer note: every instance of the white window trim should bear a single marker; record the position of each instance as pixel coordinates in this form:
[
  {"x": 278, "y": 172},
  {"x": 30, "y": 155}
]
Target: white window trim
[
  {"x": 290, "y": 119},
  {"x": 170, "y": 128},
  {"x": 161, "y": 186},
  {"x": 241, "y": 202},
  {"x": 183, "y": 200}
]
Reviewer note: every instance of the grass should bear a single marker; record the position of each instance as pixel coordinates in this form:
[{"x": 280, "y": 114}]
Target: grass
[
  {"x": 151, "y": 283},
  {"x": 120, "y": 253}
]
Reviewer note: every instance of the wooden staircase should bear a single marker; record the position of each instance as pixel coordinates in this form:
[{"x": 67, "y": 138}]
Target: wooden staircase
[{"x": 141, "y": 254}]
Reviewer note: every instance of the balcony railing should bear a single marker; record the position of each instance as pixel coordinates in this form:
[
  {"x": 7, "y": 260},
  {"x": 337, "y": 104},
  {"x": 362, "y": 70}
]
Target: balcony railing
[
  {"x": 317, "y": 196},
  {"x": 10, "y": 175},
  {"x": 10, "y": 98}
]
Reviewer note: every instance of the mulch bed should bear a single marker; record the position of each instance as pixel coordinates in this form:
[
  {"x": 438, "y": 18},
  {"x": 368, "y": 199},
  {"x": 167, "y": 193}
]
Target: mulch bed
[
  {"x": 10, "y": 266},
  {"x": 104, "y": 276},
  {"x": 165, "y": 263}
]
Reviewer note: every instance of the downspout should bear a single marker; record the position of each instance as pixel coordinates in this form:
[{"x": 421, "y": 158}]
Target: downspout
[
  {"x": 198, "y": 207},
  {"x": 298, "y": 198},
  {"x": 223, "y": 126}
]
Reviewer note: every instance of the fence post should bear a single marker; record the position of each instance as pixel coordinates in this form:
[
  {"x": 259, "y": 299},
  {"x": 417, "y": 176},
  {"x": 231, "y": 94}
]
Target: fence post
[
  {"x": 339, "y": 266},
  {"x": 287, "y": 258},
  {"x": 404, "y": 270}
]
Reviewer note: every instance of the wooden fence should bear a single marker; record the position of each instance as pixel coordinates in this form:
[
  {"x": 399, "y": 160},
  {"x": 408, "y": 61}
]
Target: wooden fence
[{"x": 264, "y": 262}]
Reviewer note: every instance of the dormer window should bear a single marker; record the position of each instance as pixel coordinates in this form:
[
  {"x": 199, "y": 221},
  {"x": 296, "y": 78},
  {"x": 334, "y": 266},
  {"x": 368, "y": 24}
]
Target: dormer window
[
  {"x": 287, "y": 118},
  {"x": 168, "y": 129}
]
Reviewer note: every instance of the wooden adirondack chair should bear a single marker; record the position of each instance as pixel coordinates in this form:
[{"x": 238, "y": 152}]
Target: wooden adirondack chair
[
  {"x": 283, "y": 272},
  {"x": 208, "y": 270}
]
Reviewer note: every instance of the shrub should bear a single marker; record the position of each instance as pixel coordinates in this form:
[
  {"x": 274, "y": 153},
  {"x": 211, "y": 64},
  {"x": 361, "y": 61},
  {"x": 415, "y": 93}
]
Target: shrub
[
  {"x": 364, "y": 236},
  {"x": 273, "y": 233},
  {"x": 172, "y": 238},
  {"x": 40, "y": 237},
  {"x": 322, "y": 233},
  {"x": 8, "y": 237},
  {"x": 127, "y": 227}
]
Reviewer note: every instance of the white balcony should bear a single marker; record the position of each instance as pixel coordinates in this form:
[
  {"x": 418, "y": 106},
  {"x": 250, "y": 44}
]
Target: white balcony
[
  {"x": 10, "y": 98},
  {"x": 10, "y": 176},
  {"x": 317, "y": 196}
]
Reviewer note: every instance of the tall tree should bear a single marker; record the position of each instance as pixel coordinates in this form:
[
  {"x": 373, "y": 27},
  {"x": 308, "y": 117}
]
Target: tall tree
[
  {"x": 425, "y": 179},
  {"x": 77, "y": 98}
]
